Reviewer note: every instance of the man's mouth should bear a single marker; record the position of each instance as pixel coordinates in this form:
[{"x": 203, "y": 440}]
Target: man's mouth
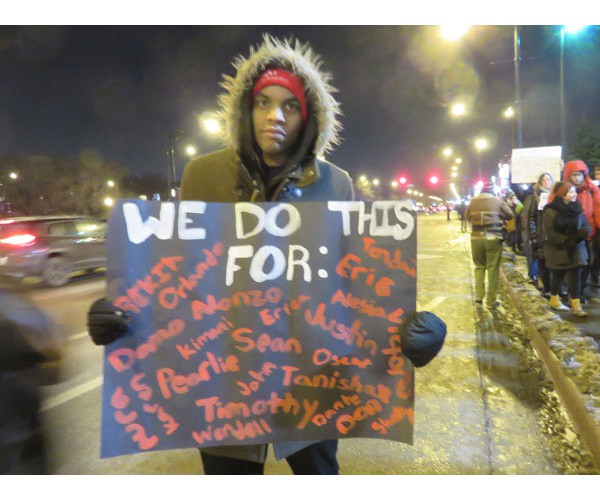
[{"x": 274, "y": 134}]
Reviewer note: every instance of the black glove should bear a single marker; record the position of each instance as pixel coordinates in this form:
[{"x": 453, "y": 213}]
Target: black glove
[
  {"x": 106, "y": 323},
  {"x": 422, "y": 337}
]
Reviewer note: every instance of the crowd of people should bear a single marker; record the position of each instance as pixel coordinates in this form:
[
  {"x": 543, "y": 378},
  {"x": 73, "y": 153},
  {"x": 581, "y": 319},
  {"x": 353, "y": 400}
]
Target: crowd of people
[{"x": 554, "y": 224}]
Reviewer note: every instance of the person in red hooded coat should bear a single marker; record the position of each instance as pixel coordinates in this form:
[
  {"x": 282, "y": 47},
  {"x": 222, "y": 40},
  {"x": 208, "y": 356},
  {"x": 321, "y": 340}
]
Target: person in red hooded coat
[{"x": 588, "y": 194}]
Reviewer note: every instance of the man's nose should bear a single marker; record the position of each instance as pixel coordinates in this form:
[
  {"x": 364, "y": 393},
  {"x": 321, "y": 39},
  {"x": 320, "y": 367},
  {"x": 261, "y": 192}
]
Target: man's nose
[{"x": 276, "y": 114}]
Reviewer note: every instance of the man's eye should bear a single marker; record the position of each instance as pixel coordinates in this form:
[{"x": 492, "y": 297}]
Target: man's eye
[
  {"x": 261, "y": 103},
  {"x": 292, "y": 106}
]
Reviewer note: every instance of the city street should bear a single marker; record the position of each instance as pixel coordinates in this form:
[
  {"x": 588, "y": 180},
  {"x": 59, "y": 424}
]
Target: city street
[{"x": 475, "y": 410}]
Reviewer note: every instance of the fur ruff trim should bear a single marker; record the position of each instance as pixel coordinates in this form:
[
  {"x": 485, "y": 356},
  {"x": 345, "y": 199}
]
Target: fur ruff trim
[{"x": 304, "y": 62}]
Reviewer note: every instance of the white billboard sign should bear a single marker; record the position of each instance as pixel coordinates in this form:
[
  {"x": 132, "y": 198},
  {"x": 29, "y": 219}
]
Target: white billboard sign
[{"x": 527, "y": 164}]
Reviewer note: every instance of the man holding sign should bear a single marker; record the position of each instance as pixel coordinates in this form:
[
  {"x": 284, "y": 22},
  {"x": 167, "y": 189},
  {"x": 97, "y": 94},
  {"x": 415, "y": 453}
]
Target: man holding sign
[
  {"x": 280, "y": 115},
  {"x": 225, "y": 353}
]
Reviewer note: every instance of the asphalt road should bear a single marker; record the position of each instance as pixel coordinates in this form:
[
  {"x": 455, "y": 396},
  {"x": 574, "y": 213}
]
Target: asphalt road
[{"x": 474, "y": 412}]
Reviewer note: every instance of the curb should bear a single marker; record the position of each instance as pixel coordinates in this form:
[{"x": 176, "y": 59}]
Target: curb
[{"x": 584, "y": 421}]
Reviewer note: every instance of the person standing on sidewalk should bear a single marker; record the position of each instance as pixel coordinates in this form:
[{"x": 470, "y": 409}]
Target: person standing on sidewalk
[
  {"x": 565, "y": 231},
  {"x": 534, "y": 232},
  {"x": 280, "y": 118},
  {"x": 513, "y": 228},
  {"x": 588, "y": 194},
  {"x": 486, "y": 214},
  {"x": 462, "y": 208}
]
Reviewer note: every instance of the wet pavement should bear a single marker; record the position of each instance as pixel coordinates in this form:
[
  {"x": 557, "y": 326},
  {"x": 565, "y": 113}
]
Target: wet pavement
[{"x": 478, "y": 407}]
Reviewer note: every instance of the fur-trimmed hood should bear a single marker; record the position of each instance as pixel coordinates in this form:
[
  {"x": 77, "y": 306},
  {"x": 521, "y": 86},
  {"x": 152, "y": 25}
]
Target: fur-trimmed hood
[{"x": 301, "y": 60}]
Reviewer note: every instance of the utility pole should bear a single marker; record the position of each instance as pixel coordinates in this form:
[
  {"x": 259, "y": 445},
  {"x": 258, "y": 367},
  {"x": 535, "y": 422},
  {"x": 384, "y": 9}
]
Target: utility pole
[
  {"x": 563, "y": 129},
  {"x": 518, "y": 103},
  {"x": 171, "y": 168}
]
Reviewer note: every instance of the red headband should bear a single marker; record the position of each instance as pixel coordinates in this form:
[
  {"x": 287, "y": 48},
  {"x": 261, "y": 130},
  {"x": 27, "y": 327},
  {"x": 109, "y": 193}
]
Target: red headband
[{"x": 285, "y": 79}]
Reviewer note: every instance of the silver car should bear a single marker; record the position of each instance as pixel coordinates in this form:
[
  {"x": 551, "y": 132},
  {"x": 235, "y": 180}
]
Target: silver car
[{"x": 51, "y": 247}]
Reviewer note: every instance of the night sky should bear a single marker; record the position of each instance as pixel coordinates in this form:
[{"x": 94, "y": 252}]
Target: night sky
[{"x": 120, "y": 90}]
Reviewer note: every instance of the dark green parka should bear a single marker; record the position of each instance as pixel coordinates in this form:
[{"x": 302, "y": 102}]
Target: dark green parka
[{"x": 235, "y": 173}]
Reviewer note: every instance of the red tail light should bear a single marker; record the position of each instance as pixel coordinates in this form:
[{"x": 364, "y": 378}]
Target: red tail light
[{"x": 18, "y": 240}]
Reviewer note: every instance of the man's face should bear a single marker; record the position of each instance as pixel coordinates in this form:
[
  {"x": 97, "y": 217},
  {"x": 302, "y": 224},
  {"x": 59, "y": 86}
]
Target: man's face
[
  {"x": 576, "y": 178},
  {"x": 277, "y": 121},
  {"x": 597, "y": 175}
]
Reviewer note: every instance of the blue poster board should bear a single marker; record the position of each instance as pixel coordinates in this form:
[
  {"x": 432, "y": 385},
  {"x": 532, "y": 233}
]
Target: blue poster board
[{"x": 258, "y": 322}]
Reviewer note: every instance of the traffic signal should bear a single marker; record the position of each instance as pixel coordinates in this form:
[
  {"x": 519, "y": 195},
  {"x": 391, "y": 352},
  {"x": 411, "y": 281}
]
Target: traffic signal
[
  {"x": 434, "y": 180},
  {"x": 403, "y": 180}
]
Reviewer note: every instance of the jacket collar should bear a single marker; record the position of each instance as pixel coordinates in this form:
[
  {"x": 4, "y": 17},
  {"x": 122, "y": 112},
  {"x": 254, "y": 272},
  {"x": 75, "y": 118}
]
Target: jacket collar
[{"x": 307, "y": 175}]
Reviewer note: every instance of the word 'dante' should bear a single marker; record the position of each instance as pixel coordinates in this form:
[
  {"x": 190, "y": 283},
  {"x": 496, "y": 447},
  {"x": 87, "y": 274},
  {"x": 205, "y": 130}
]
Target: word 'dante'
[{"x": 258, "y": 323}]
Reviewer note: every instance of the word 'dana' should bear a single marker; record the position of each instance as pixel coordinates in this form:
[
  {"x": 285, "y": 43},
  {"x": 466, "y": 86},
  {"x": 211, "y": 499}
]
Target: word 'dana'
[{"x": 385, "y": 218}]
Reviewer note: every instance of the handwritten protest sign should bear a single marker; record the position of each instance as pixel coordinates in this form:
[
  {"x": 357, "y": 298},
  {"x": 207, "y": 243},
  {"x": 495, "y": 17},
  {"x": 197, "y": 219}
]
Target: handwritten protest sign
[
  {"x": 527, "y": 164},
  {"x": 255, "y": 323}
]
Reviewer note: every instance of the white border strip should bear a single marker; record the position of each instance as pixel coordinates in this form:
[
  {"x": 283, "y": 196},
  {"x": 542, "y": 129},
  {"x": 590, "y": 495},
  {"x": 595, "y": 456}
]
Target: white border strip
[{"x": 66, "y": 396}]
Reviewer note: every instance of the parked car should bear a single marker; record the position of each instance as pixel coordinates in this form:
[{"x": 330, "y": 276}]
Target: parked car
[{"x": 51, "y": 247}]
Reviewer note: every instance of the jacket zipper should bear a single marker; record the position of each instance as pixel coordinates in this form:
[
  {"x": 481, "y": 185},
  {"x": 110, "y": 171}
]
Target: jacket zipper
[{"x": 280, "y": 188}]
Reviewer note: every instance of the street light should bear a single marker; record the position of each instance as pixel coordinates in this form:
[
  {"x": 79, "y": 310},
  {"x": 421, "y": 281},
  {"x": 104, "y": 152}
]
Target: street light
[
  {"x": 454, "y": 32},
  {"x": 11, "y": 175},
  {"x": 212, "y": 126},
  {"x": 210, "y": 123},
  {"x": 481, "y": 143},
  {"x": 458, "y": 109}
]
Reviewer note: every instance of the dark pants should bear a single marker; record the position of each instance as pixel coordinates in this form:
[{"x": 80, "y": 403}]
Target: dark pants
[
  {"x": 595, "y": 259},
  {"x": 573, "y": 281},
  {"x": 544, "y": 273},
  {"x": 316, "y": 459}
]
